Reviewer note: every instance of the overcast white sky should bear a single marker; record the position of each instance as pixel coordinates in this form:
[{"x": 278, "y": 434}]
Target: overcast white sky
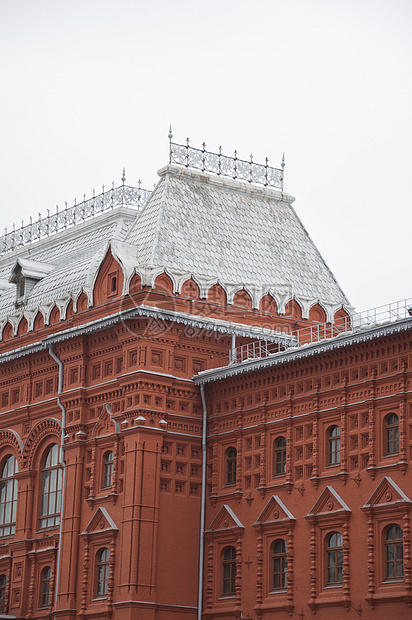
[{"x": 90, "y": 86}]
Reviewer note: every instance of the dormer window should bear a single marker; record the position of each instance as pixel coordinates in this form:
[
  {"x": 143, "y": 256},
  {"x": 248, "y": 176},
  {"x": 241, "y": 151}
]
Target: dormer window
[{"x": 25, "y": 275}]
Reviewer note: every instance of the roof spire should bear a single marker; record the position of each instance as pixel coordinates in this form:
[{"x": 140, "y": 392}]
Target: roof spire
[{"x": 124, "y": 176}]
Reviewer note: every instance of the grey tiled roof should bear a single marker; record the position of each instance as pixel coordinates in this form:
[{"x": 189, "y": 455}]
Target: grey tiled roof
[
  {"x": 195, "y": 224},
  {"x": 243, "y": 234}
]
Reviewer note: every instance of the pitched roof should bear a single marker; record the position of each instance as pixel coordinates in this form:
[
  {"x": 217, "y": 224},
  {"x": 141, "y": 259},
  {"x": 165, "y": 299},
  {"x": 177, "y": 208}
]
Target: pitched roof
[
  {"x": 195, "y": 223},
  {"x": 239, "y": 233}
]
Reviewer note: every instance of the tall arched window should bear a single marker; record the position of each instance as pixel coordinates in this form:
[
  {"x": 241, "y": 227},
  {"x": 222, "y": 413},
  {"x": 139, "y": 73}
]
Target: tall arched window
[
  {"x": 102, "y": 571},
  {"x": 8, "y": 496},
  {"x": 394, "y": 552},
  {"x": 280, "y": 456},
  {"x": 334, "y": 558},
  {"x": 45, "y": 580},
  {"x": 280, "y": 564},
  {"x": 3, "y": 587},
  {"x": 229, "y": 571},
  {"x": 107, "y": 470},
  {"x": 334, "y": 445},
  {"x": 391, "y": 434},
  {"x": 231, "y": 466},
  {"x": 51, "y": 488}
]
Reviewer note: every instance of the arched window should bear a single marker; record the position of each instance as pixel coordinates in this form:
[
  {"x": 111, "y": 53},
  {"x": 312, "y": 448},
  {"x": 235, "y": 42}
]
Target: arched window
[
  {"x": 391, "y": 434},
  {"x": 394, "y": 552},
  {"x": 102, "y": 571},
  {"x": 3, "y": 587},
  {"x": 8, "y": 496},
  {"x": 279, "y": 564},
  {"x": 107, "y": 470},
  {"x": 231, "y": 466},
  {"x": 51, "y": 488},
  {"x": 334, "y": 445},
  {"x": 229, "y": 571},
  {"x": 280, "y": 456},
  {"x": 45, "y": 587},
  {"x": 334, "y": 558}
]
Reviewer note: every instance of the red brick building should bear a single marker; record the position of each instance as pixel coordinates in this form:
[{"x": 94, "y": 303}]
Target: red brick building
[{"x": 192, "y": 417}]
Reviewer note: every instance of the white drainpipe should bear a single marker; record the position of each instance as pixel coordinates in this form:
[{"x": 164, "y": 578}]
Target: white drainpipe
[{"x": 63, "y": 465}]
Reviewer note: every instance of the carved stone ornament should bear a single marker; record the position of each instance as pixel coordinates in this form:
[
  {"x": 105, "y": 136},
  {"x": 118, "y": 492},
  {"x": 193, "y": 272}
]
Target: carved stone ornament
[
  {"x": 225, "y": 522},
  {"x": 388, "y": 496},
  {"x": 330, "y": 505},
  {"x": 276, "y": 513}
]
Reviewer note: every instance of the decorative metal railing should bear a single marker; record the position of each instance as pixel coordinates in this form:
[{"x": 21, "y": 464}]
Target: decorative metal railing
[
  {"x": 219, "y": 164},
  {"x": 388, "y": 313},
  {"x": 125, "y": 195}
]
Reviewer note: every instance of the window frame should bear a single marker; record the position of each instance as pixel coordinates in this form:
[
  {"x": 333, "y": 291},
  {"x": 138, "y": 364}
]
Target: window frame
[
  {"x": 45, "y": 592},
  {"x": 393, "y": 543},
  {"x": 282, "y": 557},
  {"x": 99, "y": 566},
  {"x": 390, "y": 440},
  {"x": 230, "y": 466},
  {"x": 107, "y": 466},
  {"x": 279, "y": 451},
  {"x": 228, "y": 565},
  {"x": 334, "y": 447},
  {"x": 48, "y": 519},
  {"x": 3, "y": 593},
  {"x": 334, "y": 552},
  {"x": 9, "y": 483}
]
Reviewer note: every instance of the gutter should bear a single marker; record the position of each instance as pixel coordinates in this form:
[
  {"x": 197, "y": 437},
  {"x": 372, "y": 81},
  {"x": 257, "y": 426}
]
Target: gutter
[
  {"x": 203, "y": 507},
  {"x": 63, "y": 465}
]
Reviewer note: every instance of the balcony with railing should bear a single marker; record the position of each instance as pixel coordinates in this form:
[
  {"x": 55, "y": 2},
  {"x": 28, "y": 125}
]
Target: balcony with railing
[{"x": 321, "y": 332}]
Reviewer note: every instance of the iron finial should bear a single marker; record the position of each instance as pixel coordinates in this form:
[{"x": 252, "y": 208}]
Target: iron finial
[
  {"x": 124, "y": 176},
  {"x": 283, "y": 160},
  {"x": 170, "y": 136}
]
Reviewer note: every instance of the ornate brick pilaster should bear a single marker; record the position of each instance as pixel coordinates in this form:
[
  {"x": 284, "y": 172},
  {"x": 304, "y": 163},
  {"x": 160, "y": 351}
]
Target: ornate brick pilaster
[
  {"x": 407, "y": 552},
  {"x": 112, "y": 558},
  {"x": 402, "y": 420},
  {"x": 259, "y": 573},
  {"x": 32, "y": 585},
  {"x": 214, "y": 466},
  {"x": 371, "y": 427},
  {"x": 290, "y": 556},
  {"x": 239, "y": 572},
  {"x": 85, "y": 575},
  {"x": 92, "y": 492},
  {"x": 371, "y": 557},
  {"x": 346, "y": 567},
  {"x": 313, "y": 580}
]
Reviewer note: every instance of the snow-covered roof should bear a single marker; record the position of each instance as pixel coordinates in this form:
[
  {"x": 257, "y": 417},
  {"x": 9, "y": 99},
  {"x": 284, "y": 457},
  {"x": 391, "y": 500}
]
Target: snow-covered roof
[{"x": 194, "y": 224}]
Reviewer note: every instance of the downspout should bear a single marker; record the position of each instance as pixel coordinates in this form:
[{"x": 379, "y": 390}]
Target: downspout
[
  {"x": 202, "y": 509},
  {"x": 63, "y": 465},
  {"x": 232, "y": 359}
]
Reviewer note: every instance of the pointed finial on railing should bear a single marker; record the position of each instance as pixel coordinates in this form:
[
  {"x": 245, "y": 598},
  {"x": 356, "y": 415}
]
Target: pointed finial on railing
[
  {"x": 170, "y": 134},
  {"x": 283, "y": 161},
  {"x": 124, "y": 176}
]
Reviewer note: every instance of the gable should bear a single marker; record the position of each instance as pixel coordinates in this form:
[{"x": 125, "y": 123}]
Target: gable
[
  {"x": 105, "y": 425},
  {"x": 387, "y": 494},
  {"x": 100, "y": 522},
  {"x": 329, "y": 503},
  {"x": 274, "y": 512},
  {"x": 109, "y": 281},
  {"x": 225, "y": 520}
]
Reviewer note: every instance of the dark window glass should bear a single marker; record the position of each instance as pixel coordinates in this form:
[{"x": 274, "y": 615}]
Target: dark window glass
[
  {"x": 280, "y": 564},
  {"x": 107, "y": 470},
  {"x": 231, "y": 466},
  {"x": 334, "y": 445},
  {"x": 8, "y": 496},
  {"x": 334, "y": 558},
  {"x": 392, "y": 434},
  {"x": 280, "y": 455},
  {"x": 45, "y": 587},
  {"x": 229, "y": 571},
  {"x": 394, "y": 552},
  {"x": 102, "y": 572},
  {"x": 51, "y": 489},
  {"x": 3, "y": 586}
]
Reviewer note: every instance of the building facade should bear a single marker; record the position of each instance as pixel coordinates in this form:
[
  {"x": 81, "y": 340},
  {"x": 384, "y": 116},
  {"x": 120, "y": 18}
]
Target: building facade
[{"x": 194, "y": 423}]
